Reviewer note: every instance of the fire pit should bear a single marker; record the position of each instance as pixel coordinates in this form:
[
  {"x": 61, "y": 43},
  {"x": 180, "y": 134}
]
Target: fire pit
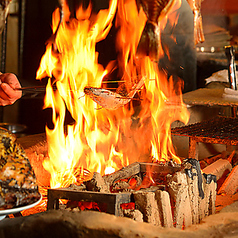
[
  {"x": 117, "y": 121},
  {"x": 185, "y": 197}
]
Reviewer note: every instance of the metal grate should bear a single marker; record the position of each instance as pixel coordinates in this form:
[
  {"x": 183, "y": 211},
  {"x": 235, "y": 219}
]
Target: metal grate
[{"x": 218, "y": 130}]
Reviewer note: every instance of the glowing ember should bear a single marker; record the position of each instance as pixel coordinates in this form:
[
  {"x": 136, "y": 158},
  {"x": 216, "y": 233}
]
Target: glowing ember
[{"x": 102, "y": 140}]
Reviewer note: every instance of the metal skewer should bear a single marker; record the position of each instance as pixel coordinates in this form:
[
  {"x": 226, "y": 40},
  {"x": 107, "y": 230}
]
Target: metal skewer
[
  {"x": 229, "y": 50},
  {"x": 42, "y": 88},
  {"x": 34, "y": 89}
]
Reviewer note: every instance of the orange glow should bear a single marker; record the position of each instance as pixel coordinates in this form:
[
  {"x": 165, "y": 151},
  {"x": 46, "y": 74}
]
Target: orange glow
[{"x": 103, "y": 140}]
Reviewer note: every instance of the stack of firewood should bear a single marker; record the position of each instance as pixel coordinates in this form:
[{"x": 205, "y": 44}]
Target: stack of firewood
[
  {"x": 225, "y": 167},
  {"x": 184, "y": 198}
]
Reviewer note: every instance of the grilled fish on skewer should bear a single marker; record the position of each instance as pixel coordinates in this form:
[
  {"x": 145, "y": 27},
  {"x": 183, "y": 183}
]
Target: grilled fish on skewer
[
  {"x": 198, "y": 29},
  {"x": 149, "y": 42},
  {"x": 111, "y": 100}
]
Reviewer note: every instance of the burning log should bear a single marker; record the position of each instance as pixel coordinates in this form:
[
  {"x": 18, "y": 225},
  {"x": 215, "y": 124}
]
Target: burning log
[
  {"x": 125, "y": 172},
  {"x": 97, "y": 184},
  {"x": 115, "y": 180},
  {"x": 185, "y": 197},
  {"x": 75, "y": 187},
  {"x": 229, "y": 187},
  {"x": 192, "y": 195},
  {"x": 120, "y": 186},
  {"x": 126, "y": 185}
]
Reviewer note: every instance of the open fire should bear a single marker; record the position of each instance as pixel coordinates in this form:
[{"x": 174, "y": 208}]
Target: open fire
[
  {"x": 119, "y": 144},
  {"x": 118, "y": 153},
  {"x": 102, "y": 140},
  {"x": 99, "y": 161}
]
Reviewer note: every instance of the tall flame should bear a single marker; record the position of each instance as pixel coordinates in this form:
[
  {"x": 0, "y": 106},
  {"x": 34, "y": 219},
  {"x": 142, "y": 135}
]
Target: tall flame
[{"x": 101, "y": 140}]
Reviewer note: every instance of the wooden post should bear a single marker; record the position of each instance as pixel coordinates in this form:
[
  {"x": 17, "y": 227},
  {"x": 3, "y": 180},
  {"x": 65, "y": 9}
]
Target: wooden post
[{"x": 193, "y": 148}]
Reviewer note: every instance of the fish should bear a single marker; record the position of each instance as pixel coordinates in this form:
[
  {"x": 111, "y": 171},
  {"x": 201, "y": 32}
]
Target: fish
[
  {"x": 198, "y": 28},
  {"x": 149, "y": 41},
  {"x": 111, "y": 100}
]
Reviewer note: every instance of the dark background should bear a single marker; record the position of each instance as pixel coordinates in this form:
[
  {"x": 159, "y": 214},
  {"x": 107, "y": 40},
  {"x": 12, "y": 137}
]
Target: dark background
[{"x": 36, "y": 27}]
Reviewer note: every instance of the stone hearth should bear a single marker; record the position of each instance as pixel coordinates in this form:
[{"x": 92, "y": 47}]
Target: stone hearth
[{"x": 88, "y": 224}]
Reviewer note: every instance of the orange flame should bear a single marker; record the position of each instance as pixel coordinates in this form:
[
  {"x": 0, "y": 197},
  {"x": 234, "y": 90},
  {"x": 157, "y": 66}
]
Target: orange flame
[{"x": 103, "y": 140}]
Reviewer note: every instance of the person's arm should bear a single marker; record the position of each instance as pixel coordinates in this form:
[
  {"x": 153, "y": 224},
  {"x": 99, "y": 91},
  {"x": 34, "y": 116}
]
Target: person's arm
[{"x": 8, "y": 94}]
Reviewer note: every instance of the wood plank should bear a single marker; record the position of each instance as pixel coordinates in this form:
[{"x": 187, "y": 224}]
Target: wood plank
[
  {"x": 230, "y": 185},
  {"x": 193, "y": 195},
  {"x": 193, "y": 148},
  {"x": 164, "y": 206},
  {"x": 178, "y": 190},
  {"x": 146, "y": 203},
  {"x": 218, "y": 168}
]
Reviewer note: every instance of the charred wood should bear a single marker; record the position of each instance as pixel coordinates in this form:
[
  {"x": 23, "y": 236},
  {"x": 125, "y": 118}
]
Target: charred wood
[
  {"x": 97, "y": 184},
  {"x": 123, "y": 173}
]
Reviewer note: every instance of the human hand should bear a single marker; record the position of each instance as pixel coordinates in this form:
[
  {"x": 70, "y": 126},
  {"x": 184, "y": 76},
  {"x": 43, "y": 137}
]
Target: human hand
[{"x": 8, "y": 94}]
